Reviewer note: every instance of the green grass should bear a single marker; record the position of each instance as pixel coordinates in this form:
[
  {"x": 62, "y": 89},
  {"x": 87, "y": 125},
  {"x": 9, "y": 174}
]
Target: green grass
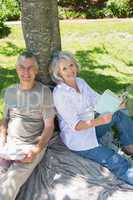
[{"x": 103, "y": 48}]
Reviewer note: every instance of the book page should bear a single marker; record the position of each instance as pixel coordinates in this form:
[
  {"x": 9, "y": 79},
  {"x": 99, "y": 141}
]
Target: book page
[
  {"x": 12, "y": 151},
  {"x": 107, "y": 103}
]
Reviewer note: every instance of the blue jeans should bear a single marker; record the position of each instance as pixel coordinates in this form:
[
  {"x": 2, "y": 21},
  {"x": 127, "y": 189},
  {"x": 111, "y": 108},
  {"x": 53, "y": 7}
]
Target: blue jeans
[{"x": 108, "y": 157}]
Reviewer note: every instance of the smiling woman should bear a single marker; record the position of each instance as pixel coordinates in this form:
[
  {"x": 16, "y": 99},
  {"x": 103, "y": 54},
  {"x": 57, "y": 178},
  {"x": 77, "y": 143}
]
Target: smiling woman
[{"x": 80, "y": 131}]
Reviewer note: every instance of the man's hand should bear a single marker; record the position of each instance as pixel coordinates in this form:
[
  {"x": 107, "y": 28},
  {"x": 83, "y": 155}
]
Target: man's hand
[
  {"x": 42, "y": 141},
  {"x": 29, "y": 157}
]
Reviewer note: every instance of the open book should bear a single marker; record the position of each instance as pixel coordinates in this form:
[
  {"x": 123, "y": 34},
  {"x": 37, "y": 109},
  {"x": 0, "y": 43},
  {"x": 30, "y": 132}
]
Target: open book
[{"x": 108, "y": 102}]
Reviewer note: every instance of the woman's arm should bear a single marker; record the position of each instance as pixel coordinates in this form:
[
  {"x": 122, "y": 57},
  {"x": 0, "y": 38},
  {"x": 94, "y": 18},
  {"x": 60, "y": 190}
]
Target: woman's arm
[{"x": 94, "y": 122}]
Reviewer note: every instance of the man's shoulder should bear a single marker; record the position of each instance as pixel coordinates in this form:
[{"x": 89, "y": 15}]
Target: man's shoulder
[
  {"x": 59, "y": 89},
  {"x": 13, "y": 86},
  {"x": 11, "y": 89},
  {"x": 42, "y": 86},
  {"x": 44, "y": 91}
]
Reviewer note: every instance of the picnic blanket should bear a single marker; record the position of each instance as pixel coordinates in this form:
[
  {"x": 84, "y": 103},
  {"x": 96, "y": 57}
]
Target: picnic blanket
[{"x": 63, "y": 175}]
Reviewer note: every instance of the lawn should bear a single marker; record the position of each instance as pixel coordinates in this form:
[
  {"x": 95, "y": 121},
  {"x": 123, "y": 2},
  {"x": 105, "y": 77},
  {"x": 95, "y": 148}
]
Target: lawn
[{"x": 104, "y": 48}]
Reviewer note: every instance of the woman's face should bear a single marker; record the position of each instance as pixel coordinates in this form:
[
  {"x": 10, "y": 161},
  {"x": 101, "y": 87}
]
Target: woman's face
[{"x": 67, "y": 70}]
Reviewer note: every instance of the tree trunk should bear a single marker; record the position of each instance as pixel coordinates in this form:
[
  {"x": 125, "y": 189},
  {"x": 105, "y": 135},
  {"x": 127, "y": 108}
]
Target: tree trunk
[{"x": 40, "y": 26}]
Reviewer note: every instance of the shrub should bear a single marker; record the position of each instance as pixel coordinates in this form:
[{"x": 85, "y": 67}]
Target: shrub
[
  {"x": 118, "y": 8},
  {"x": 11, "y": 9},
  {"x": 95, "y": 8},
  {"x": 4, "y": 30},
  {"x": 94, "y": 12},
  {"x": 65, "y": 13},
  {"x": 81, "y": 5}
]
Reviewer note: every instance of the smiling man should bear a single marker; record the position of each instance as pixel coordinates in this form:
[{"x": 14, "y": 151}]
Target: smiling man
[{"x": 28, "y": 124}]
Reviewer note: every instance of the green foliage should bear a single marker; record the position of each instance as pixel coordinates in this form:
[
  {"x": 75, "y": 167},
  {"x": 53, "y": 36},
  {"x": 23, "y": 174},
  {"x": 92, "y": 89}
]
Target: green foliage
[
  {"x": 103, "y": 48},
  {"x": 81, "y": 5},
  {"x": 94, "y": 12},
  {"x": 77, "y": 5},
  {"x": 65, "y": 13},
  {"x": 4, "y": 30},
  {"x": 118, "y": 8},
  {"x": 95, "y": 9},
  {"x": 11, "y": 9}
]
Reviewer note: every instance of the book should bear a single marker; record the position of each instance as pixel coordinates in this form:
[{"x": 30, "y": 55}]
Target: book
[
  {"x": 11, "y": 151},
  {"x": 108, "y": 102}
]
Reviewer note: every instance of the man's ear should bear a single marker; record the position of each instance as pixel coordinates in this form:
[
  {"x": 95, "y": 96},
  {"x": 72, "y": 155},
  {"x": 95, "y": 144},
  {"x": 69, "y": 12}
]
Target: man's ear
[
  {"x": 37, "y": 71},
  {"x": 17, "y": 70}
]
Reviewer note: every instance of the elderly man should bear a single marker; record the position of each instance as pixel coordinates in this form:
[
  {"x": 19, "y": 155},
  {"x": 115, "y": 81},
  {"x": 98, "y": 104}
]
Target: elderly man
[{"x": 28, "y": 122}]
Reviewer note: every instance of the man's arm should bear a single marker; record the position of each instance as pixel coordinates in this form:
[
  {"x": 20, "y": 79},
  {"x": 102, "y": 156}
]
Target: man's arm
[
  {"x": 42, "y": 141},
  {"x": 3, "y": 131},
  {"x": 46, "y": 135}
]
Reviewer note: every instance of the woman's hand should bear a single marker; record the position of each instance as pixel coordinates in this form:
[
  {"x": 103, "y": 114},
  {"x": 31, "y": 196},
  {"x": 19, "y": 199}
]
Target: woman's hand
[
  {"x": 105, "y": 119},
  {"x": 122, "y": 105},
  {"x": 101, "y": 120}
]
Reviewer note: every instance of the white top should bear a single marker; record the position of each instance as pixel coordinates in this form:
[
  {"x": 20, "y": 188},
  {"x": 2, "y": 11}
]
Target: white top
[{"x": 72, "y": 107}]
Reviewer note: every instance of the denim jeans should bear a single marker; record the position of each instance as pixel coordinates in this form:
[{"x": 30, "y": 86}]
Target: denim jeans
[{"x": 108, "y": 157}]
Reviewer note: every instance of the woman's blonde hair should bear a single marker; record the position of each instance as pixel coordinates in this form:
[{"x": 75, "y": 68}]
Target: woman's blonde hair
[{"x": 54, "y": 66}]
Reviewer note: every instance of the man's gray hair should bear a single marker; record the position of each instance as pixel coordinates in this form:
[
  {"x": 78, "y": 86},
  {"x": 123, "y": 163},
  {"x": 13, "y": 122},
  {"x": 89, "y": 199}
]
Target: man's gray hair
[
  {"x": 54, "y": 66},
  {"x": 26, "y": 55}
]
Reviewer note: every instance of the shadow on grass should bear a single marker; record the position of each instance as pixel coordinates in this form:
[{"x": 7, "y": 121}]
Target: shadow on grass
[
  {"x": 88, "y": 63},
  {"x": 97, "y": 81},
  {"x": 4, "y": 30},
  {"x": 7, "y": 77},
  {"x": 101, "y": 82},
  {"x": 130, "y": 63},
  {"x": 11, "y": 49}
]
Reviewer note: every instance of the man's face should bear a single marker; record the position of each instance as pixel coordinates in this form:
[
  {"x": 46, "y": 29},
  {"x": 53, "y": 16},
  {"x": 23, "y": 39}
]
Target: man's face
[{"x": 27, "y": 70}]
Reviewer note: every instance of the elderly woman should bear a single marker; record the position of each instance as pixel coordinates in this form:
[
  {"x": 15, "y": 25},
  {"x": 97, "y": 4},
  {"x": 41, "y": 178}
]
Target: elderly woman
[{"x": 74, "y": 100}]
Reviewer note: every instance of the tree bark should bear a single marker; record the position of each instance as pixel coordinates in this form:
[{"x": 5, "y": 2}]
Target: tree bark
[{"x": 40, "y": 26}]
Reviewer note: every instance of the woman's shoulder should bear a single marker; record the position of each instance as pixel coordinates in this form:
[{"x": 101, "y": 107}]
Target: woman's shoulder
[
  {"x": 81, "y": 81},
  {"x": 59, "y": 90}
]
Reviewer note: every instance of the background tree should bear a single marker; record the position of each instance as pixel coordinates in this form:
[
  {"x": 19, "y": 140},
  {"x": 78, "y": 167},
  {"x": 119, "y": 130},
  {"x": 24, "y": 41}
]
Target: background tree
[{"x": 40, "y": 26}]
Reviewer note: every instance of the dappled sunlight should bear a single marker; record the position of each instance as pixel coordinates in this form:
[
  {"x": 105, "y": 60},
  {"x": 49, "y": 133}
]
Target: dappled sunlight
[
  {"x": 102, "y": 71},
  {"x": 68, "y": 189},
  {"x": 1, "y": 108},
  {"x": 10, "y": 49},
  {"x": 104, "y": 49},
  {"x": 101, "y": 82},
  {"x": 8, "y": 77}
]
